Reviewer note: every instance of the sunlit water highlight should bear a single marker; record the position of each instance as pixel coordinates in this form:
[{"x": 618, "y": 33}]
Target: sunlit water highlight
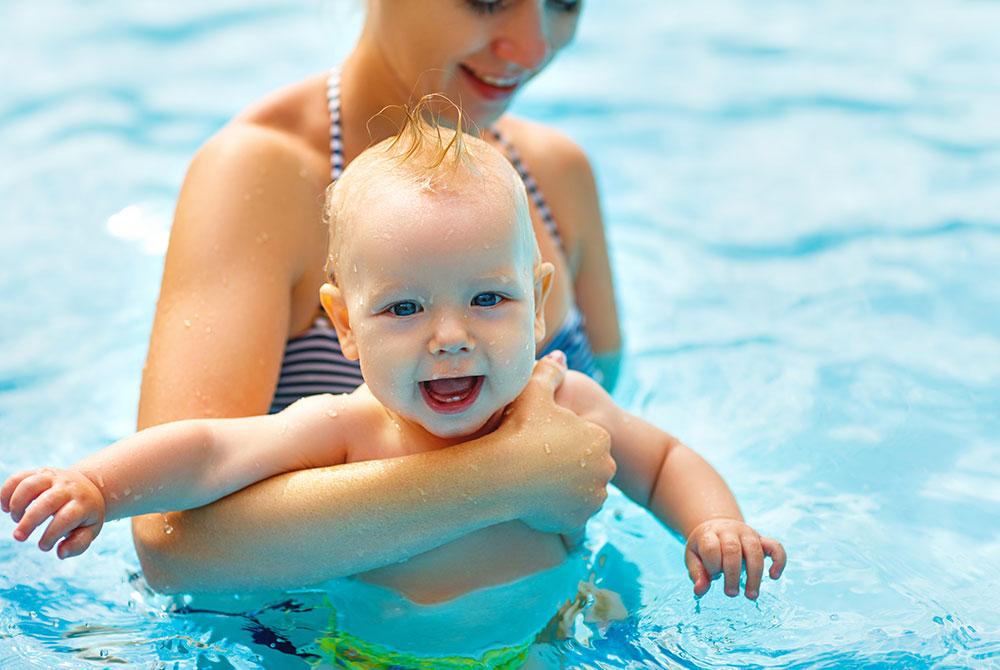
[{"x": 802, "y": 208}]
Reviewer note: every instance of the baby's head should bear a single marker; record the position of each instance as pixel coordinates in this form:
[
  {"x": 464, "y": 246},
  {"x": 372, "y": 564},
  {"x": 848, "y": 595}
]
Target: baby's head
[{"x": 436, "y": 283}]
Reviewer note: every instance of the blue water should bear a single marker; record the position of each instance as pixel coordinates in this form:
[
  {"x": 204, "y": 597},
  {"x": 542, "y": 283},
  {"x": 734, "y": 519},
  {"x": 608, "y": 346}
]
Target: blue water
[{"x": 803, "y": 210}]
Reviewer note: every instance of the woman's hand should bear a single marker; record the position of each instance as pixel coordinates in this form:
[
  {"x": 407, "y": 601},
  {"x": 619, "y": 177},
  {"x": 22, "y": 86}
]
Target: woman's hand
[
  {"x": 564, "y": 460},
  {"x": 723, "y": 546},
  {"x": 74, "y": 502}
]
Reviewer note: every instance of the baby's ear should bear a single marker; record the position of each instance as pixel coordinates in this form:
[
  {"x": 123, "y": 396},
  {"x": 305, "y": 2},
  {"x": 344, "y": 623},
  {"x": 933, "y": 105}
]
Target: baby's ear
[
  {"x": 544, "y": 272},
  {"x": 333, "y": 303}
]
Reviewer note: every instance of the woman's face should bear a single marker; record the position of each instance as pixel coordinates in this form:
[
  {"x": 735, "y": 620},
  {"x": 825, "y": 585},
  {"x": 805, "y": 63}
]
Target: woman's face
[{"x": 479, "y": 53}]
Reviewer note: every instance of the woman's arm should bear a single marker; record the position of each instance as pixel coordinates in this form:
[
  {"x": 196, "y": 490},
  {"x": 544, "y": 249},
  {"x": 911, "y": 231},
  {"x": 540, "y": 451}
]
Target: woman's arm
[{"x": 310, "y": 526}]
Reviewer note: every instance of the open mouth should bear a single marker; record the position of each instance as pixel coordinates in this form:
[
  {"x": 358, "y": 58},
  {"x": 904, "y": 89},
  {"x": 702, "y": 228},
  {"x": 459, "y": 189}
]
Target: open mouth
[
  {"x": 489, "y": 87},
  {"x": 453, "y": 395}
]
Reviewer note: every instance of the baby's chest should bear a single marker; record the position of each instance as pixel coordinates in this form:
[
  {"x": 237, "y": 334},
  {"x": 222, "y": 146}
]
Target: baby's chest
[{"x": 491, "y": 556}]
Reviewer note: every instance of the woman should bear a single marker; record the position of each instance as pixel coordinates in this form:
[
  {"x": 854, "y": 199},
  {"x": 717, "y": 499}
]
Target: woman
[{"x": 235, "y": 330}]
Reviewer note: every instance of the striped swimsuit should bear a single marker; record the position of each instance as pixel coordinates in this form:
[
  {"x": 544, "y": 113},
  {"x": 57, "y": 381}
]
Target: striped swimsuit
[{"x": 313, "y": 361}]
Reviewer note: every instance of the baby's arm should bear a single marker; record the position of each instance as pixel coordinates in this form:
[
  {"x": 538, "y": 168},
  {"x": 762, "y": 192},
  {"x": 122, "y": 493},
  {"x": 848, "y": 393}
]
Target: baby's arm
[
  {"x": 180, "y": 465},
  {"x": 681, "y": 489}
]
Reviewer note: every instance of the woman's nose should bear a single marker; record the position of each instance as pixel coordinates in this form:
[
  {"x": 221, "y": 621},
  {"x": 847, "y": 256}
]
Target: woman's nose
[
  {"x": 524, "y": 38},
  {"x": 450, "y": 337}
]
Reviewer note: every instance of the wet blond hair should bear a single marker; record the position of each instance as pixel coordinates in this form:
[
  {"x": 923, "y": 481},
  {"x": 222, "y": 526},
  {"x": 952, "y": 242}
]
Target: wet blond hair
[{"x": 427, "y": 156}]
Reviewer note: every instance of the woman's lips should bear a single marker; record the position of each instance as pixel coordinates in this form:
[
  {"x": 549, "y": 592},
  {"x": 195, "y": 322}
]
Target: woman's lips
[
  {"x": 453, "y": 395},
  {"x": 491, "y": 91}
]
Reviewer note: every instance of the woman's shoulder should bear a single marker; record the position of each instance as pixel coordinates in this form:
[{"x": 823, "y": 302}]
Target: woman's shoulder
[
  {"x": 286, "y": 128},
  {"x": 544, "y": 149}
]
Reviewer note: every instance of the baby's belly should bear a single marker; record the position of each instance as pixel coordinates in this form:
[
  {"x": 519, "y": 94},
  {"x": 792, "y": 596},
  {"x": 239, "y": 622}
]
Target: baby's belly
[{"x": 495, "y": 555}]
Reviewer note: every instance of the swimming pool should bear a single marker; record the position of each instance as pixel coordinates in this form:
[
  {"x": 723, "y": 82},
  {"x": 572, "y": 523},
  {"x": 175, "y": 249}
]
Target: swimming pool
[{"x": 803, "y": 212}]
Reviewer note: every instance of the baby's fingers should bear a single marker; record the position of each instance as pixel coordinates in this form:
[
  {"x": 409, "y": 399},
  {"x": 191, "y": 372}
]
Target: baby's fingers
[
  {"x": 753, "y": 559},
  {"x": 697, "y": 572},
  {"x": 77, "y": 541},
  {"x": 7, "y": 490},
  {"x": 732, "y": 563},
  {"x": 30, "y": 488},
  {"x": 774, "y": 549},
  {"x": 44, "y": 506},
  {"x": 68, "y": 518}
]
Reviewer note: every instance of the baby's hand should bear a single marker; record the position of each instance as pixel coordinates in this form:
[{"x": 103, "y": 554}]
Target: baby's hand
[
  {"x": 724, "y": 546},
  {"x": 74, "y": 502}
]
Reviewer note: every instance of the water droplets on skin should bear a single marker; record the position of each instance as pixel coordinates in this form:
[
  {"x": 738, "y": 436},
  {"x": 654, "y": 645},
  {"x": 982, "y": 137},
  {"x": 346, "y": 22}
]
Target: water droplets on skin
[
  {"x": 100, "y": 481},
  {"x": 332, "y": 413},
  {"x": 583, "y": 463},
  {"x": 423, "y": 493},
  {"x": 187, "y": 323},
  {"x": 167, "y": 528},
  {"x": 548, "y": 449}
]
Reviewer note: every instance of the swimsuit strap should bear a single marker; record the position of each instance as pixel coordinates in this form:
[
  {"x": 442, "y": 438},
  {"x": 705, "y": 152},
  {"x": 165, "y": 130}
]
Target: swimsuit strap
[
  {"x": 336, "y": 137},
  {"x": 534, "y": 192}
]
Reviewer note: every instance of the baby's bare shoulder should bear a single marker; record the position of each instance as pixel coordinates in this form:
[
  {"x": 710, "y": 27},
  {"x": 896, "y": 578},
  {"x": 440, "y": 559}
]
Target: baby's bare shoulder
[
  {"x": 329, "y": 429},
  {"x": 586, "y": 398}
]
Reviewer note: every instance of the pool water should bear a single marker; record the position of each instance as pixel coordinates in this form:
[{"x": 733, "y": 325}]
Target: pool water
[{"x": 803, "y": 212}]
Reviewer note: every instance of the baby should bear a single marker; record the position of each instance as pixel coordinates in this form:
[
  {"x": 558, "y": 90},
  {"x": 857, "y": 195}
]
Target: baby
[{"x": 437, "y": 288}]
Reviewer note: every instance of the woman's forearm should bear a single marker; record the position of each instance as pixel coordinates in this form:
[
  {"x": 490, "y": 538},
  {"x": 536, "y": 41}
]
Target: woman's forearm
[{"x": 306, "y": 527}]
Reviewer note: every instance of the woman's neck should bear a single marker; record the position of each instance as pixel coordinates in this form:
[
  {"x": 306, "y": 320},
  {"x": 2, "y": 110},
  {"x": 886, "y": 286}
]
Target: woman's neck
[{"x": 368, "y": 86}]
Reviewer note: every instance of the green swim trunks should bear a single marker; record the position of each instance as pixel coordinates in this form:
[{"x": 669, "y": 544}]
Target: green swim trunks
[{"x": 344, "y": 650}]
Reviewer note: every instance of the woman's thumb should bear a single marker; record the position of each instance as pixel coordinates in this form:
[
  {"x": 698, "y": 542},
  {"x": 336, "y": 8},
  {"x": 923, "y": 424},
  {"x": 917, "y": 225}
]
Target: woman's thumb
[{"x": 549, "y": 372}]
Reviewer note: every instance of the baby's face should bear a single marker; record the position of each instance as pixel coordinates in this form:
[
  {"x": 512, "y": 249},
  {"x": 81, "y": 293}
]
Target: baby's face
[{"x": 443, "y": 300}]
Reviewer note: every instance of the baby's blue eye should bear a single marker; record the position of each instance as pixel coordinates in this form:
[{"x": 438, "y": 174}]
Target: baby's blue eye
[
  {"x": 405, "y": 308},
  {"x": 487, "y": 300}
]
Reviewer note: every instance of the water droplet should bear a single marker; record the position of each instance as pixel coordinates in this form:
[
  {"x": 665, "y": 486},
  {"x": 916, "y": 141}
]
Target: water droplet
[
  {"x": 100, "y": 481},
  {"x": 423, "y": 492},
  {"x": 167, "y": 528},
  {"x": 187, "y": 323},
  {"x": 332, "y": 413},
  {"x": 127, "y": 493},
  {"x": 583, "y": 463},
  {"x": 548, "y": 449}
]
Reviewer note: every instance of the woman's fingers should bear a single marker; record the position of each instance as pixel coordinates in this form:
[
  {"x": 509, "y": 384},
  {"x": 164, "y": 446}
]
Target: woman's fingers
[
  {"x": 774, "y": 549},
  {"x": 732, "y": 562},
  {"x": 44, "y": 506},
  {"x": 29, "y": 489},
  {"x": 77, "y": 541},
  {"x": 753, "y": 559},
  {"x": 549, "y": 373},
  {"x": 69, "y": 517}
]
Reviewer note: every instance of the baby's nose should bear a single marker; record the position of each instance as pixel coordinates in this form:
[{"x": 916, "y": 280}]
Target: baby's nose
[{"x": 451, "y": 337}]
